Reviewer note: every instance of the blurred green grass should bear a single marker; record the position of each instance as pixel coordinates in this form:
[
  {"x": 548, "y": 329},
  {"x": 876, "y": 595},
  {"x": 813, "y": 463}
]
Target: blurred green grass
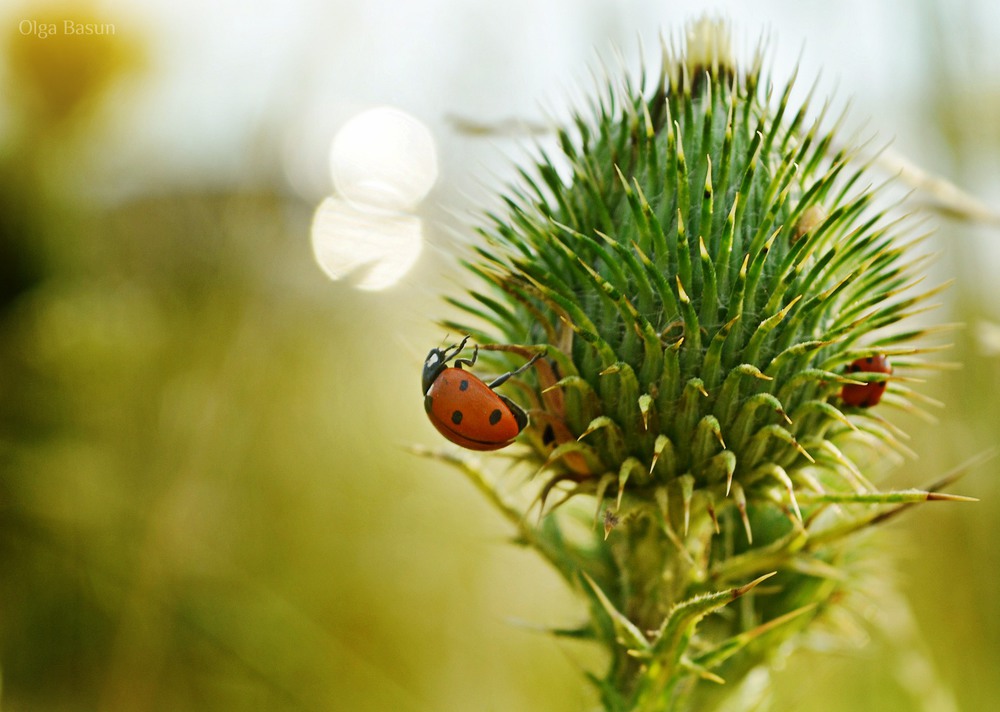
[
  {"x": 213, "y": 508},
  {"x": 207, "y": 503}
]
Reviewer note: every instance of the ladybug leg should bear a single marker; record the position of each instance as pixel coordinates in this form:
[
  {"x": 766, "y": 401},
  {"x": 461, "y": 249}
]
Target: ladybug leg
[
  {"x": 459, "y": 362},
  {"x": 500, "y": 380},
  {"x": 455, "y": 350}
]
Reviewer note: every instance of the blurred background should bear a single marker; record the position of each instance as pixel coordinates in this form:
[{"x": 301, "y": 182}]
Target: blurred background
[{"x": 206, "y": 501}]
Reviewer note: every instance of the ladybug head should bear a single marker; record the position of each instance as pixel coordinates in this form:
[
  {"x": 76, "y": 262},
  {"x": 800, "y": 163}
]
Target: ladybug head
[{"x": 437, "y": 361}]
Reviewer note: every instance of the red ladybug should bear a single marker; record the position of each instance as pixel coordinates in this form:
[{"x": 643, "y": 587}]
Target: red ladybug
[
  {"x": 868, "y": 394},
  {"x": 466, "y": 410}
]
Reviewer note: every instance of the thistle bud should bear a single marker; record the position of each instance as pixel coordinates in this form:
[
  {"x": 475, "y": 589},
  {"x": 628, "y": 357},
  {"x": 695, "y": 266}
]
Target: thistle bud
[{"x": 703, "y": 280}]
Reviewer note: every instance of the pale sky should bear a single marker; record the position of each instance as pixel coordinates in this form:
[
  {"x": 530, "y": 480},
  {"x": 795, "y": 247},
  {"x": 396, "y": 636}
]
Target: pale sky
[
  {"x": 228, "y": 77},
  {"x": 247, "y": 93}
]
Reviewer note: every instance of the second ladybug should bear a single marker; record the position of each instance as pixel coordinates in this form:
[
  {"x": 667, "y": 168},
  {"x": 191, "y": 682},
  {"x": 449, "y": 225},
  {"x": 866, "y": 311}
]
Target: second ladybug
[
  {"x": 866, "y": 395},
  {"x": 466, "y": 410}
]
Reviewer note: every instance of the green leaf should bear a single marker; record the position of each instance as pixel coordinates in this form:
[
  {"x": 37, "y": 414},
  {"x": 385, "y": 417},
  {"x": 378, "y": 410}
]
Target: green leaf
[
  {"x": 626, "y": 633},
  {"x": 674, "y": 636}
]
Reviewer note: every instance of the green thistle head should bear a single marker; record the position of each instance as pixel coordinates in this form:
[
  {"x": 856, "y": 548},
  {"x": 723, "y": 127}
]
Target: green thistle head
[
  {"x": 703, "y": 264},
  {"x": 701, "y": 279}
]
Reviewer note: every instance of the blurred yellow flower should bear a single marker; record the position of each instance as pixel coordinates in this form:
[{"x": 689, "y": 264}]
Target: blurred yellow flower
[{"x": 62, "y": 57}]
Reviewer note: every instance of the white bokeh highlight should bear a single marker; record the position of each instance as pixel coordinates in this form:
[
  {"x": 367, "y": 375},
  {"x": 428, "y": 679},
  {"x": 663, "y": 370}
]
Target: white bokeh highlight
[
  {"x": 375, "y": 249},
  {"x": 384, "y": 157},
  {"x": 383, "y": 163}
]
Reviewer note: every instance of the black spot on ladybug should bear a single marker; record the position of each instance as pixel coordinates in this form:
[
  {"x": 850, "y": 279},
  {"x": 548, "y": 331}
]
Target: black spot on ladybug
[
  {"x": 464, "y": 385},
  {"x": 456, "y": 417},
  {"x": 548, "y": 435},
  {"x": 495, "y": 416}
]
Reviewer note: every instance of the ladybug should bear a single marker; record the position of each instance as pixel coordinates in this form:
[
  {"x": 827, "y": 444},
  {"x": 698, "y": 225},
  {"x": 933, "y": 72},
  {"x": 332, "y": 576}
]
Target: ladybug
[
  {"x": 466, "y": 410},
  {"x": 868, "y": 394}
]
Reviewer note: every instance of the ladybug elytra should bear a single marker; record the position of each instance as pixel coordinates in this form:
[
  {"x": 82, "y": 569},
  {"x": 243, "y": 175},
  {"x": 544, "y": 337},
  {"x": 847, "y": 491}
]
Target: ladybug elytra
[
  {"x": 867, "y": 394},
  {"x": 466, "y": 410}
]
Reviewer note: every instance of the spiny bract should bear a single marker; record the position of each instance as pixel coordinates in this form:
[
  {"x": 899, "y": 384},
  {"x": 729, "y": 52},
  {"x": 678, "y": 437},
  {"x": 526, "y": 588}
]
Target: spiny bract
[{"x": 701, "y": 262}]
